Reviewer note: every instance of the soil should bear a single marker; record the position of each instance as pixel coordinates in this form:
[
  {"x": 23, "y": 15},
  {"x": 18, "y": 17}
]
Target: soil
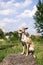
[{"x": 18, "y": 59}]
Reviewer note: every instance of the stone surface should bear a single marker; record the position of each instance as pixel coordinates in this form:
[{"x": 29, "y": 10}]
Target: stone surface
[{"x": 18, "y": 59}]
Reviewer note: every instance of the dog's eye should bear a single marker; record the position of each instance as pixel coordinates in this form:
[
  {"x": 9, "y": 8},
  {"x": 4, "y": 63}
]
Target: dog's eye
[{"x": 20, "y": 30}]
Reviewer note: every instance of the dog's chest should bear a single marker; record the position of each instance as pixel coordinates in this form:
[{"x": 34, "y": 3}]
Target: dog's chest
[{"x": 23, "y": 38}]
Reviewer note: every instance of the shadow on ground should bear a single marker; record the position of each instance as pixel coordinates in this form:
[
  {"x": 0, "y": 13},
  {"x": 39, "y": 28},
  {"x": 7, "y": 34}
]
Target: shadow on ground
[{"x": 17, "y": 59}]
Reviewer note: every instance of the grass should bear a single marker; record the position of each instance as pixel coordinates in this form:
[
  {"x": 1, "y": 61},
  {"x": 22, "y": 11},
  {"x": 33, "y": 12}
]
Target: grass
[
  {"x": 17, "y": 47},
  {"x": 9, "y": 48},
  {"x": 39, "y": 51}
]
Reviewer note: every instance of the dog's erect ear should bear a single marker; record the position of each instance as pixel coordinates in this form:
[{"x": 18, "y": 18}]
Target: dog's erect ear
[{"x": 26, "y": 28}]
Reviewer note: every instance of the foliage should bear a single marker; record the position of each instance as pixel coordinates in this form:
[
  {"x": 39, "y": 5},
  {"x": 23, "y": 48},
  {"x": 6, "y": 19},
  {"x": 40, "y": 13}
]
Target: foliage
[
  {"x": 39, "y": 51},
  {"x": 2, "y": 35},
  {"x": 13, "y": 45},
  {"x": 39, "y": 17},
  {"x": 13, "y": 36}
]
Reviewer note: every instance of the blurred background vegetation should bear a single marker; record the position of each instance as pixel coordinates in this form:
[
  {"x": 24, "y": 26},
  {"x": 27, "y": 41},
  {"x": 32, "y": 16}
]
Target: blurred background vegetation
[{"x": 10, "y": 43}]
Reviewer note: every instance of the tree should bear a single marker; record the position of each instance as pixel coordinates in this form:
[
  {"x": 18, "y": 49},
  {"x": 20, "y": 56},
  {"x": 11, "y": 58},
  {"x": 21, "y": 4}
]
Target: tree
[
  {"x": 2, "y": 35},
  {"x": 39, "y": 17},
  {"x": 12, "y": 35}
]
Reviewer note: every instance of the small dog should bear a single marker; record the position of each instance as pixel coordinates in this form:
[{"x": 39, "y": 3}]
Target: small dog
[{"x": 26, "y": 41}]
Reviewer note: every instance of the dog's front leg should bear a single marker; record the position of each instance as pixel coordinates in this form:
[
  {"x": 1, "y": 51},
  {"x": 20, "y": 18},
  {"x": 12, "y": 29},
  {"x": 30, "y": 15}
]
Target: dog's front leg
[
  {"x": 23, "y": 50},
  {"x": 27, "y": 49}
]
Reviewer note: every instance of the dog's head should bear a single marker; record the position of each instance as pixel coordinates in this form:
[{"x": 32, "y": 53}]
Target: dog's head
[{"x": 21, "y": 30}]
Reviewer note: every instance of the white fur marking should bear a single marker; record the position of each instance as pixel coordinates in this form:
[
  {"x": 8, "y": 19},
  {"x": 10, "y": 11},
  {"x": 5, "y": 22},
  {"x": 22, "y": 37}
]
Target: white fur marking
[
  {"x": 31, "y": 49},
  {"x": 23, "y": 38}
]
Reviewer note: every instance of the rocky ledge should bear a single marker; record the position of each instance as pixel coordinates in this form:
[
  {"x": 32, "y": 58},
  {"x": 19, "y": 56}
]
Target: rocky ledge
[{"x": 18, "y": 59}]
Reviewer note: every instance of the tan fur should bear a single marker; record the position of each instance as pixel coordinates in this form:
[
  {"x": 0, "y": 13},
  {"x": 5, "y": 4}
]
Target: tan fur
[{"x": 28, "y": 41}]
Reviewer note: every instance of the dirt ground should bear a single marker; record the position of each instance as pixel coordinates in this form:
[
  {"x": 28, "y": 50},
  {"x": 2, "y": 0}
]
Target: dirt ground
[{"x": 18, "y": 59}]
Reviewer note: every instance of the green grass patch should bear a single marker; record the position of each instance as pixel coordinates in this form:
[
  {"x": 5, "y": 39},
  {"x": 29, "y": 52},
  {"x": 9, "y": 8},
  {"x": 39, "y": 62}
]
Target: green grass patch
[
  {"x": 39, "y": 51},
  {"x": 9, "y": 47}
]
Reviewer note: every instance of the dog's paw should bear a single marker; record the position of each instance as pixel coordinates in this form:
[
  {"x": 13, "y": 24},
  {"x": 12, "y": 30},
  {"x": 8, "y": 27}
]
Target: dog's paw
[
  {"x": 26, "y": 54},
  {"x": 22, "y": 53}
]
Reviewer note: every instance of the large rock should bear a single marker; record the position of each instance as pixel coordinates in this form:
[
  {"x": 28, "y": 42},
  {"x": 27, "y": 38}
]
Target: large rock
[{"x": 17, "y": 59}]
